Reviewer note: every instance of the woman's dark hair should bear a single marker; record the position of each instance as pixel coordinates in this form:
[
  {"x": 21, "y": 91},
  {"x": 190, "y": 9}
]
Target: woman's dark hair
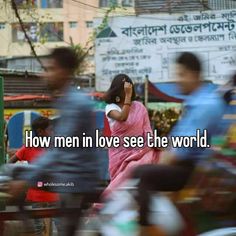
[
  {"x": 190, "y": 61},
  {"x": 117, "y": 89}
]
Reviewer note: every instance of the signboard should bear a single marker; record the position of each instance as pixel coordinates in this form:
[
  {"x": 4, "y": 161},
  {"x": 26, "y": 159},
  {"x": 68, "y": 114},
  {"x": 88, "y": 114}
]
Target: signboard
[
  {"x": 148, "y": 45},
  {"x": 49, "y": 113}
]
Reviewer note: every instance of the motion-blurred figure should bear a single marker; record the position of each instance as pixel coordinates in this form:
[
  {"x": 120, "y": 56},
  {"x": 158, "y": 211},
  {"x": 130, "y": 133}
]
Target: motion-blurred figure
[
  {"x": 73, "y": 172},
  {"x": 203, "y": 110}
]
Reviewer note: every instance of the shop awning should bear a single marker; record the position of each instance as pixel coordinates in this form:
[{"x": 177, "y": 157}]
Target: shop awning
[{"x": 165, "y": 92}]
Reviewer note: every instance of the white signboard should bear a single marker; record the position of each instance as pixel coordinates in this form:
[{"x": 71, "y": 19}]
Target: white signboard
[{"x": 148, "y": 45}]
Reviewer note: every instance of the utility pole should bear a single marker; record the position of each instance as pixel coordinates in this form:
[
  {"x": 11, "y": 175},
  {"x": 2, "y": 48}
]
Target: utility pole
[{"x": 146, "y": 82}]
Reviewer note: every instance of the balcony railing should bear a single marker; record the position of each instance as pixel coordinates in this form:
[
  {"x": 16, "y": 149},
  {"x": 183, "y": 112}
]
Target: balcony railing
[{"x": 179, "y": 6}]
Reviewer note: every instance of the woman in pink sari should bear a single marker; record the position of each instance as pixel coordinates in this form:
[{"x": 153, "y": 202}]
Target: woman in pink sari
[{"x": 127, "y": 118}]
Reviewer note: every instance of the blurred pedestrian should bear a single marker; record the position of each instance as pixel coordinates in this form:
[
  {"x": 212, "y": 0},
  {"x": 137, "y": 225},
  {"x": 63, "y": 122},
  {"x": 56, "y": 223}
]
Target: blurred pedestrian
[
  {"x": 203, "y": 109},
  {"x": 73, "y": 171}
]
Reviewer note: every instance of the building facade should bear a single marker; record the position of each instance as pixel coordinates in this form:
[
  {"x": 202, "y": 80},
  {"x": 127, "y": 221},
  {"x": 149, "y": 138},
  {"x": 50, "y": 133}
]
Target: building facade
[
  {"x": 180, "y": 6},
  {"x": 51, "y": 23},
  {"x": 48, "y": 24}
]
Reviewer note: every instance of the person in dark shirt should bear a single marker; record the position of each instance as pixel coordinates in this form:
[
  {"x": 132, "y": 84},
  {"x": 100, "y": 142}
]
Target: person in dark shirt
[{"x": 73, "y": 172}]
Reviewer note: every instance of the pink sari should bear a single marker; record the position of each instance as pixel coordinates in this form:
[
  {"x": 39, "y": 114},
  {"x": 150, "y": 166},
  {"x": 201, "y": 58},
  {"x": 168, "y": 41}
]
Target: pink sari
[{"x": 123, "y": 160}]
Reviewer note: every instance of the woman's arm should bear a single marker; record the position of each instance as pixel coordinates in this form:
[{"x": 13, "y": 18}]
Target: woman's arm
[
  {"x": 18, "y": 156},
  {"x": 13, "y": 159}
]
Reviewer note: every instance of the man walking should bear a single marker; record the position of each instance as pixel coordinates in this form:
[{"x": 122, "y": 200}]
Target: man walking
[{"x": 73, "y": 171}]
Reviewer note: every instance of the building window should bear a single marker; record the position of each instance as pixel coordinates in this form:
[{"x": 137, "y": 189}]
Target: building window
[
  {"x": 127, "y": 3},
  {"x": 89, "y": 24},
  {"x": 22, "y": 3},
  {"x": 19, "y": 36},
  {"x": 107, "y": 3},
  {"x": 52, "y": 32},
  {"x": 73, "y": 24},
  {"x": 2, "y": 26},
  {"x": 51, "y": 3}
]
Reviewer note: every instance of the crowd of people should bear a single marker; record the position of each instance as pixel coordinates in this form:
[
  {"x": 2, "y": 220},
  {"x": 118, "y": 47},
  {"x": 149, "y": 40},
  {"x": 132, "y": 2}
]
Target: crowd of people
[{"x": 156, "y": 169}]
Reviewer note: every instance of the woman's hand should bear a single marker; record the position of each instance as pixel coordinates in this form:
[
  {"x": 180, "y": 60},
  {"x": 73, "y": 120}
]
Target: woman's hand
[{"x": 128, "y": 88}]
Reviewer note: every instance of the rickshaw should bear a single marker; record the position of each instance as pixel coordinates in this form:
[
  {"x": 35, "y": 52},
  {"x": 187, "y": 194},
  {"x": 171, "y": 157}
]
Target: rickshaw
[{"x": 208, "y": 202}]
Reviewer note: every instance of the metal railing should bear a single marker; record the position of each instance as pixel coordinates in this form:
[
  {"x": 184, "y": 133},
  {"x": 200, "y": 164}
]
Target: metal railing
[{"x": 179, "y": 6}]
